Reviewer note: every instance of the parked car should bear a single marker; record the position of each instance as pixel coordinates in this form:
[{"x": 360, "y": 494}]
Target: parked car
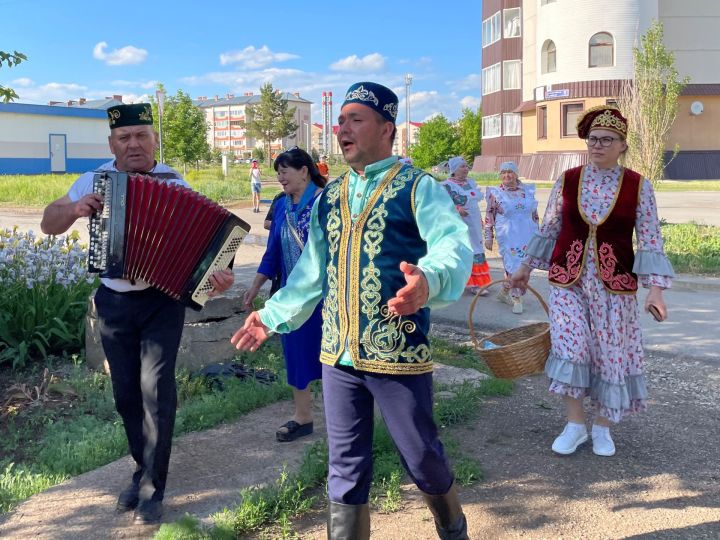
[{"x": 441, "y": 168}]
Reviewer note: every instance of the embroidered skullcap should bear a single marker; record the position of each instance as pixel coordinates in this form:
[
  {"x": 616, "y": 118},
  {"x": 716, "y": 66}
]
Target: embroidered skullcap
[
  {"x": 454, "y": 163},
  {"x": 602, "y": 117},
  {"x": 135, "y": 114},
  {"x": 509, "y": 166},
  {"x": 379, "y": 98}
]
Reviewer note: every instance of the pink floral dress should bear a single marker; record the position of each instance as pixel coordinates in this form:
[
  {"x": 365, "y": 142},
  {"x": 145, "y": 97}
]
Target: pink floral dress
[{"x": 597, "y": 348}]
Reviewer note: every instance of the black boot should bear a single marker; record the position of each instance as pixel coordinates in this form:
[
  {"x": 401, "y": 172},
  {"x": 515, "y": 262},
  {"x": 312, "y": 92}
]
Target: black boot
[
  {"x": 450, "y": 521},
  {"x": 128, "y": 498},
  {"x": 348, "y": 521}
]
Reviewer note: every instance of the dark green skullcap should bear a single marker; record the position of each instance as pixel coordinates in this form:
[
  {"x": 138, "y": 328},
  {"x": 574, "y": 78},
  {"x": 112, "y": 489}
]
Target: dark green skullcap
[{"x": 135, "y": 114}]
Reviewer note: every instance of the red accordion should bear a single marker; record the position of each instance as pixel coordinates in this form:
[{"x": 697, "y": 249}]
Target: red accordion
[{"x": 162, "y": 233}]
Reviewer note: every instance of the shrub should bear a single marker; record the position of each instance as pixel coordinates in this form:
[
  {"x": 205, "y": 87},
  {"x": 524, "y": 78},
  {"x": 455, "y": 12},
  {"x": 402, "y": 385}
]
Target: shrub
[{"x": 44, "y": 289}]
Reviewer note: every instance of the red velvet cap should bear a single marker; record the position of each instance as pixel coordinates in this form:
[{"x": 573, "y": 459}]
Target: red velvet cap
[{"x": 602, "y": 117}]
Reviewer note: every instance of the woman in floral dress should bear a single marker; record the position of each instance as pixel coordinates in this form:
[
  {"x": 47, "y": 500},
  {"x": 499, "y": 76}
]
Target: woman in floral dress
[
  {"x": 466, "y": 196},
  {"x": 512, "y": 215},
  {"x": 586, "y": 245}
]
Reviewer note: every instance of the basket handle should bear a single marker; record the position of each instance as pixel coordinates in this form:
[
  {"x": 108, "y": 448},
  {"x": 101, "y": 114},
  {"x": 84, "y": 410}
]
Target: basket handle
[{"x": 477, "y": 295}]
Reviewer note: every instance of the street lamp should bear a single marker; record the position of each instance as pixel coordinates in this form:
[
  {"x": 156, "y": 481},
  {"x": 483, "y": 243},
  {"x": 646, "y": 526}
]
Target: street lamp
[
  {"x": 408, "y": 82},
  {"x": 160, "y": 101}
]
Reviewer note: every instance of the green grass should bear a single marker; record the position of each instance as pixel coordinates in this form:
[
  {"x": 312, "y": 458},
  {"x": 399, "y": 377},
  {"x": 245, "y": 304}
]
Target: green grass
[
  {"x": 272, "y": 508},
  {"x": 693, "y": 248},
  {"x": 44, "y": 446}
]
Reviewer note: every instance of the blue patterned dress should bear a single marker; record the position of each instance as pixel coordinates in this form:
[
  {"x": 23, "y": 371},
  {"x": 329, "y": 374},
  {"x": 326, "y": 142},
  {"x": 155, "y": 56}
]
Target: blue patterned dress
[{"x": 301, "y": 347}]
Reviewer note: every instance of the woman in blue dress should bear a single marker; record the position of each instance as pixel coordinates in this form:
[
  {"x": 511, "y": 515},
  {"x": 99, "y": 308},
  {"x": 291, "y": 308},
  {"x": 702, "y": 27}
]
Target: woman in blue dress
[{"x": 302, "y": 184}]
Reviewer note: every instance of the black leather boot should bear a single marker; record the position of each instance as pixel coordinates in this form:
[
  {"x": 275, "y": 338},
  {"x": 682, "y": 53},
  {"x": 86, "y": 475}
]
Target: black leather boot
[
  {"x": 450, "y": 522},
  {"x": 348, "y": 521}
]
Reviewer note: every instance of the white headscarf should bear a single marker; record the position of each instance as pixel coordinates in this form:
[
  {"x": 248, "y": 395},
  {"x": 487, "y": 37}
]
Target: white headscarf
[
  {"x": 454, "y": 163},
  {"x": 509, "y": 166}
]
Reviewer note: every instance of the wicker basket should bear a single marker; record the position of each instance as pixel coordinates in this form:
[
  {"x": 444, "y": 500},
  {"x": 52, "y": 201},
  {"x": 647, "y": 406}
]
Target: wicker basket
[{"x": 520, "y": 351}]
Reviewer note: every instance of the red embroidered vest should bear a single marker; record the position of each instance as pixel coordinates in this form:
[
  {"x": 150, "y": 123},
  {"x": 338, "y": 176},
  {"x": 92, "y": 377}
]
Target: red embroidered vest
[{"x": 613, "y": 235}]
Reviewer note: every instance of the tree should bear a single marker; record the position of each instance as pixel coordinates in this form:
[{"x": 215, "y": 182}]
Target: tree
[
  {"x": 270, "y": 119},
  {"x": 437, "y": 141},
  {"x": 11, "y": 59},
  {"x": 649, "y": 103},
  {"x": 184, "y": 130},
  {"x": 470, "y": 134}
]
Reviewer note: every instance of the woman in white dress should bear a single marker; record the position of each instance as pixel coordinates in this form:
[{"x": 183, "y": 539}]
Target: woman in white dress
[
  {"x": 512, "y": 216},
  {"x": 586, "y": 245},
  {"x": 466, "y": 196}
]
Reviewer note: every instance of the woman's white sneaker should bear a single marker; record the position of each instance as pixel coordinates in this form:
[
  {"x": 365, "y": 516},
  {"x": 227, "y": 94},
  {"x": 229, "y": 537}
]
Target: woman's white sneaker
[
  {"x": 572, "y": 436},
  {"x": 603, "y": 444}
]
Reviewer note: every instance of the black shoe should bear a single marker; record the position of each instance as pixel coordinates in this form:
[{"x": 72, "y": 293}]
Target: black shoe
[
  {"x": 291, "y": 430},
  {"x": 148, "y": 512},
  {"x": 128, "y": 498}
]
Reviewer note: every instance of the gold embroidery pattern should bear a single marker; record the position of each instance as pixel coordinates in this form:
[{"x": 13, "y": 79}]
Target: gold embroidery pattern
[
  {"x": 608, "y": 119},
  {"x": 573, "y": 258},
  {"x": 330, "y": 330},
  {"x": 607, "y": 261},
  {"x": 384, "y": 339}
]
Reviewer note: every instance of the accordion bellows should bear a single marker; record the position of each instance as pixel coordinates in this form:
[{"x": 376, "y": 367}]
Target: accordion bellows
[{"x": 164, "y": 234}]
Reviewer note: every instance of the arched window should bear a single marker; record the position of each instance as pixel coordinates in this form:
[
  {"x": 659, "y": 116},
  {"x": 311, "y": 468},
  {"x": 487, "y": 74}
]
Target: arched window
[
  {"x": 602, "y": 49},
  {"x": 548, "y": 61}
]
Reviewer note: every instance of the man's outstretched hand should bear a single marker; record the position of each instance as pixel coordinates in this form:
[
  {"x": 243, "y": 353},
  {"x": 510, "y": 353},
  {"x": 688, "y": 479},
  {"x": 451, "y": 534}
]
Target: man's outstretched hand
[
  {"x": 412, "y": 296},
  {"x": 252, "y": 334}
]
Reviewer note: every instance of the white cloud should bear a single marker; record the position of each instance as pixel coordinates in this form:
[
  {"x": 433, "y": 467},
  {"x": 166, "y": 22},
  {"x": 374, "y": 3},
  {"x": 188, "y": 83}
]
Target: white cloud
[
  {"x": 470, "y": 102},
  {"x": 146, "y": 85},
  {"x": 125, "y": 56},
  {"x": 370, "y": 62},
  {"x": 423, "y": 97},
  {"x": 252, "y": 58},
  {"x": 22, "y": 81},
  {"x": 431, "y": 116},
  {"x": 469, "y": 82}
]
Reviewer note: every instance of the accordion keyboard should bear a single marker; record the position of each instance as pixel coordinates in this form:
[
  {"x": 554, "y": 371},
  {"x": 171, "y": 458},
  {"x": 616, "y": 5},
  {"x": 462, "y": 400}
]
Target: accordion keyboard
[{"x": 98, "y": 245}]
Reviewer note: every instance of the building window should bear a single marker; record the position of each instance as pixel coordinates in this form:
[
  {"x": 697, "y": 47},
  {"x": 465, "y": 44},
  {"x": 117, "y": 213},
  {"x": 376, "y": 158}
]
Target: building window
[
  {"x": 491, "y": 126},
  {"x": 542, "y": 122},
  {"x": 548, "y": 62},
  {"x": 602, "y": 48},
  {"x": 491, "y": 79},
  {"x": 491, "y": 30},
  {"x": 511, "y": 23},
  {"x": 512, "y": 124},
  {"x": 570, "y": 114},
  {"x": 612, "y": 103},
  {"x": 545, "y": 2},
  {"x": 512, "y": 74}
]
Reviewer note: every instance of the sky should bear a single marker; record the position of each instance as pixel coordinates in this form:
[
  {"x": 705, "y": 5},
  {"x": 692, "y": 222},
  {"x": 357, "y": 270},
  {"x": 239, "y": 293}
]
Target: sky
[{"x": 84, "y": 50}]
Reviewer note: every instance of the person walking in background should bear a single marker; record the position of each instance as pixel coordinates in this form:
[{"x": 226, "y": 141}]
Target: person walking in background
[
  {"x": 323, "y": 168},
  {"x": 385, "y": 245},
  {"x": 140, "y": 326},
  {"x": 586, "y": 244},
  {"x": 512, "y": 216},
  {"x": 255, "y": 185},
  {"x": 302, "y": 184},
  {"x": 466, "y": 196}
]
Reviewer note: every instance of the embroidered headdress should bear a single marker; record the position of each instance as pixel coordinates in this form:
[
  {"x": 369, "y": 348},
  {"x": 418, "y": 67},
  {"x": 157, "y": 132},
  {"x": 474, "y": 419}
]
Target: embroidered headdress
[
  {"x": 136, "y": 114},
  {"x": 376, "y": 96},
  {"x": 602, "y": 117}
]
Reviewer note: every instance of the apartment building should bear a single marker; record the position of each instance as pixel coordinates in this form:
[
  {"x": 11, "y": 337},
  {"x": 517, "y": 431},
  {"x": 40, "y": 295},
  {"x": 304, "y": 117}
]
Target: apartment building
[
  {"x": 225, "y": 117},
  {"x": 547, "y": 61},
  {"x": 407, "y": 134}
]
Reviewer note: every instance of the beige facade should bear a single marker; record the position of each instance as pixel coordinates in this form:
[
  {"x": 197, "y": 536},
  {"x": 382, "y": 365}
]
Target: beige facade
[
  {"x": 225, "y": 117},
  {"x": 577, "y": 54},
  {"x": 404, "y": 129}
]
